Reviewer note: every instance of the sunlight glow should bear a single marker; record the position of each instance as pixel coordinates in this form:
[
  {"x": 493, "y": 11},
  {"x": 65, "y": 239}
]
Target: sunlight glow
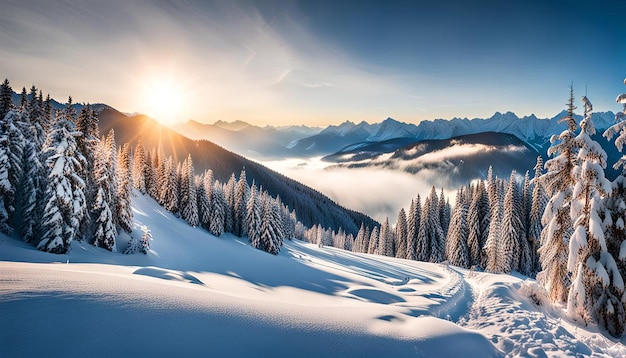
[{"x": 164, "y": 100}]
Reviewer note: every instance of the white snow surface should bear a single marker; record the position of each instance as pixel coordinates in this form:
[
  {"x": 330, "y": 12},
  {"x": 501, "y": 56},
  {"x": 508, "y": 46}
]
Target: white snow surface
[{"x": 198, "y": 295}]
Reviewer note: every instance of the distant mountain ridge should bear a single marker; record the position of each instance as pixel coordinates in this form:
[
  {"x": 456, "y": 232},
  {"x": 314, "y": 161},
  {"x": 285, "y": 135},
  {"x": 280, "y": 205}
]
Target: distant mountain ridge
[
  {"x": 246, "y": 139},
  {"x": 534, "y": 131}
]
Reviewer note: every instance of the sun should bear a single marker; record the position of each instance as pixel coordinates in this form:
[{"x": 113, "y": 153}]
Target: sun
[{"x": 164, "y": 101}]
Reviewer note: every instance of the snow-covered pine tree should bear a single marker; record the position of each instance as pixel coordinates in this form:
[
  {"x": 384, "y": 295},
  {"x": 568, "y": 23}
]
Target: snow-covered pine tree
[
  {"x": 366, "y": 240},
  {"x": 124, "y": 190},
  {"x": 23, "y": 100},
  {"x": 374, "y": 240},
  {"x": 6, "y": 101},
  {"x": 86, "y": 140},
  {"x": 218, "y": 210},
  {"x": 477, "y": 224},
  {"x": 105, "y": 232},
  {"x": 492, "y": 249},
  {"x": 65, "y": 199},
  {"x": 7, "y": 191},
  {"x": 401, "y": 235},
  {"x": 13, "y": 148},
  {"x": 140, "y": 175},
  {"x": 242, "y": 192},
  {"x": 163, "y": 175},
  {"x": 204, "y": 203},
  {"x": 253, "y": 218},
  {"x": 514, "y": 253},
  {"x": 385, "y": 246},
  {"x": 359, "y": 241},
  {"x": 188, "y": 199},
  {"x": 413, "y": 224},
  {"x": 31, "y": 182},
  {"x": 597, "y": 286},
  {"x": 557, "y": 223},
  {"x": 431, "y": 242},
  {"x": 456, "y": 242},
  {"x": 615, "y": 217},
  {"x": 539, "y": 202},
  {"x": 271, "y": 231},
  {"x": 111, "y": 180},
  {"x": 145, "y": 241},
  {"x": 229, "y": 192},
  {"x": 169, "y": 194},
  {"x": 37, "y": 121},
  {"x": 289, "y": 222},
  {"x": 133, "y": 246},
  {"x": 444, "y": 214}
]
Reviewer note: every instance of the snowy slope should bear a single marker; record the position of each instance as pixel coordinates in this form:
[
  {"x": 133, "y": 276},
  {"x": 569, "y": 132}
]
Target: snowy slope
[{"x": 198, "y": 295}]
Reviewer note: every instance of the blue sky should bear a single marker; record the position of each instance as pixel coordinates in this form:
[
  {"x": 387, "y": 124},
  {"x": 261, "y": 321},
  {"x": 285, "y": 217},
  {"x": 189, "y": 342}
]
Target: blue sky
[{"x": 318, "y": 62}]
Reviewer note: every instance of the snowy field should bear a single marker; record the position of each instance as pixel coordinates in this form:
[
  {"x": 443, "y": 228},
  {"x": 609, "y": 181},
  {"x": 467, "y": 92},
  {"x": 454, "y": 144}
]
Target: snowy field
[{"x": 198, "y": 295}]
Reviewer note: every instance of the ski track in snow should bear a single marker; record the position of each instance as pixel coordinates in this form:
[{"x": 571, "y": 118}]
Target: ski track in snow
[{"x": 517, "y": 327}]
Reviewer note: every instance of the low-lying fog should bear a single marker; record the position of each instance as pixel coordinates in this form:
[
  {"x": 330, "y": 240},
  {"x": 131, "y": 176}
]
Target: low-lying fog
[{"x": 377, "y": 192}]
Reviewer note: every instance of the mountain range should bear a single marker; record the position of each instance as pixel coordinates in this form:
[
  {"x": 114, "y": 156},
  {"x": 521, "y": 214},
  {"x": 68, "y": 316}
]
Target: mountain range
[
  {"x": 267, "y": 142},
  {"x": 302, "y": 141}
]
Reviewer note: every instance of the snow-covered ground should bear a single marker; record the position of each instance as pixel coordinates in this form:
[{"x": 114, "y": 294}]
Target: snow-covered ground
[{"x": 198, "y": 295}]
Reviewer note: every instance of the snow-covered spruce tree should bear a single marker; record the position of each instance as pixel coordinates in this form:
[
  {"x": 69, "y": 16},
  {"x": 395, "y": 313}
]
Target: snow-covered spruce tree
[
  {"x": 12, "y": 147},
  {"x": 30, "y": 189},
  {"x": 289, "y": 223},
  {"x": 615, "y": 203},
  {"x": 374, "y": 239},
  {"x": 430, "y": 239},
  {"x": 6, "y": 101},
  {"x": 385, "y": 247},
  {"x": 229, "y": 193},
  {"x": 538, "y": 206},
  {"x": 218, "y": 210},
  {"x": 169, "y": 193},
  {"x": 145, "y": 241},
  {"x": 557, "y": 223},
  {"x": 133, "y": 246},
  {"x": 23, "y": 100},
  {"x": 204, "y": 203},
  {"x": 271, "y": 227},
  {"x": 359, "y": 241},
  {"x": 86, "y": 140},
  {"x": 401, "y": 234},
  {"x": 111, "y": 180},
  {"x": 37, "y": 121},
  {"x": 493, "y": 246},
  {"x": 188, "y": 199},
  {"x": 140, "y": 167},
  {"x": 477, "y": 224},
  {"x": 597, "y": 286},
  {"x": 105, "y": 231},
  {"x": 64, "y": 196},
  {"x": 444, "y": 214},
  {"x": 253, "y": 218},
  {"x": 124, "y": 190},
  {"x": 514, "y": 251},
  {"x": 7, "y": 191},
  {"x": 242, "y": 192},
  {"x": 456, "y": 242},
  {"x": 413, "y": 224}
]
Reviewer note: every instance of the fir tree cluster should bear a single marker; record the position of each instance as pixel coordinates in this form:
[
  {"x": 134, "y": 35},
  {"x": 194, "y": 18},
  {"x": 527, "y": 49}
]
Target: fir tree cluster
[
  {"x": 59, "y": 181},
  {"x": 235, "y": 206}
]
